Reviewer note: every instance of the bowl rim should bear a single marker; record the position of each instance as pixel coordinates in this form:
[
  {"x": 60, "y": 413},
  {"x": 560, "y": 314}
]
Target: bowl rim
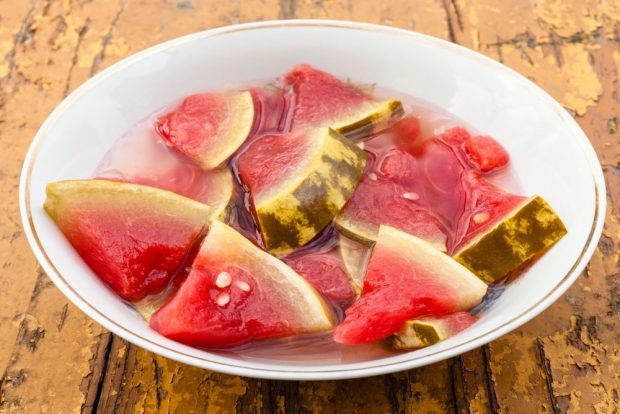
[{"x": 248, "y": 368}]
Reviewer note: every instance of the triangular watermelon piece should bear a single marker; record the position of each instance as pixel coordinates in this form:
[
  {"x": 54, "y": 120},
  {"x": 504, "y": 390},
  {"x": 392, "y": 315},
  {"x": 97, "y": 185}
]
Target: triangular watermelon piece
[
  {"x": 298, "y": 182},
  {"x": 495, "y": 251},
  {"x": 486, "y": 206},
  {"x": 323, "y": 100},
  {"x": 209, "y": 127},
  {"x": 133, "y": 237},
  {"x": 406, "y": 278},
  {"x": 445, "y": 182},
  {"x": 236, "y": 293}
]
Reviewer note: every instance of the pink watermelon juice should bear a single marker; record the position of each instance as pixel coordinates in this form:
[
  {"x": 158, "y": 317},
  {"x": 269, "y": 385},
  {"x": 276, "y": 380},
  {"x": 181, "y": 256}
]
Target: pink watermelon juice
[{"x": 420, "y": 158}]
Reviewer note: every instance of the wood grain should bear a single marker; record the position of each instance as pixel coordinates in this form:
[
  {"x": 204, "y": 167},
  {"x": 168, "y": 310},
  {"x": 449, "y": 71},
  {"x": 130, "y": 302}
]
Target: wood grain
[{"x": 55, "y": 359}]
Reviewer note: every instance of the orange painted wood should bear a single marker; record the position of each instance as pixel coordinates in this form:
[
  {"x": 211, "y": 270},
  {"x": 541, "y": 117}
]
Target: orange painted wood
[{"x": 54, "y": 359}]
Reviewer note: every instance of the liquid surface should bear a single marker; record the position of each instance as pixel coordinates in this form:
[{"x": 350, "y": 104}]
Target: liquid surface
[{"x": 162, "y": 166}]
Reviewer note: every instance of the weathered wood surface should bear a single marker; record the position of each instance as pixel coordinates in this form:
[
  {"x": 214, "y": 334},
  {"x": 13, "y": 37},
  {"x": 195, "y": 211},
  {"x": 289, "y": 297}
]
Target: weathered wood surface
[{"x": 54, "y": 359}]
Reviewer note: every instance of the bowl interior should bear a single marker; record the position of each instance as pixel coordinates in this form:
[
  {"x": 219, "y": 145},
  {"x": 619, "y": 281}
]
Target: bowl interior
[{"x": 550, "y": 157}]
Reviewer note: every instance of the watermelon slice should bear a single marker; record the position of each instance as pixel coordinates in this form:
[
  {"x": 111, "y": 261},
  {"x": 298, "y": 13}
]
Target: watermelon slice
[
  {"x": 423, "y": 332},
  {"x": 133, "y": 237},
  {"x": 323, "y": 100},
  {"x": 511, "y": 242},
  {"x": 237, "y": 293},
  {"x": 485, "y": 206},
  {"x": 173, "y": 171},
  {"x": 298, "y": 182},
  {"x": 327, "y": 273},
  {"x": 407, "y": 278},
  {"x": 209, "y": 127},
  {"x": 377, "y": 201},
  {"x": 479, "y": 219}
]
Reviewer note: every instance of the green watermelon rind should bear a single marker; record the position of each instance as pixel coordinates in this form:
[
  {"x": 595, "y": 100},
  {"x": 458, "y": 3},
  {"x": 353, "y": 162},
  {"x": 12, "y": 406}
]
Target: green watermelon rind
[{"x": 373, "y": 118}]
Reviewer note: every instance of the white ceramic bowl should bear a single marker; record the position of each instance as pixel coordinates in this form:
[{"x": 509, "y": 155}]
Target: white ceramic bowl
[{"x": 550, "y": 154}]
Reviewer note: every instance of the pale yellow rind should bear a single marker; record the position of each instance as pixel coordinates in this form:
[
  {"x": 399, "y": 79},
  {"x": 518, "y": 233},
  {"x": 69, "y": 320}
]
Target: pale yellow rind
[
  {"x": 233, "y": 131},
  {"x": 526, "y": 232},
  {"x": 355, "y": 230},
  {"x": 149, "y": 305},
  {"x": 288, "y": 287},
  {"x": 445, "y": 270},
  {"x": 223, "y": 180},
  {"x": 355, "y": 257},
  {"x": 102, "y": 194}
]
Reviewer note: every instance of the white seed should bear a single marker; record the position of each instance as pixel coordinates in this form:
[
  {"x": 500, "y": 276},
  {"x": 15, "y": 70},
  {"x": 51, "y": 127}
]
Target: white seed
[
  {"x": 411, "y": 196},
  {"x": 223, "y": 299},
  {"x": 481, "y": 217},
  {"x": 242, "y": 285},
  {"x": 373, "y": 176},
  {"x": 223, "y": 280}
]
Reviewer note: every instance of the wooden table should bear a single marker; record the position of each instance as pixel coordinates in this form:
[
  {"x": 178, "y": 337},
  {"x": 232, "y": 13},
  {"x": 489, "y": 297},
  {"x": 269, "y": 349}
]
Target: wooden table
[{"x": 56, "y": 360}]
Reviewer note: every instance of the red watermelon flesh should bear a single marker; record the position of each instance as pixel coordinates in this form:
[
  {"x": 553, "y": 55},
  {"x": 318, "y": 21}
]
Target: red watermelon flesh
[
  {"x": 378, "y": 201},
  {"x": 486, "y": 205},
  {"x": 400, "y": 167},
  {"x": 327, "y": 273},
  {"x": 461, "y": 197},
  {"x": 193, "y": 316},
  {"x": 266, "y": 161},
  {"x": 208, "y": 127},
  {"x": 406, "y": 279},
  {"x": 133, "y": 237},
  {"x": 236, "y": 293},
  {"x": 321, "y": 99},
  {"x": 448, "y": 185},
  {"x": 486, "y": 153},
  {"x": 320, "y": 95}
]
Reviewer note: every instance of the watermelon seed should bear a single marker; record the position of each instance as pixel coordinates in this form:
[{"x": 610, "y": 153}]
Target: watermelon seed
[
  {"x": 242, "y": 285},
  {"x": 411, "y": 196},
  {"x": 481, "y": 217},
  {"x": 372, "y": 176},
  {"x": 223, "y": 280},
  {"x": 223, "y": 299}
]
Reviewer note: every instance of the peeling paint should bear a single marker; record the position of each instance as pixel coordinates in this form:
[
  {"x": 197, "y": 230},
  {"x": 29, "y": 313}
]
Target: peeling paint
[
  {"x": 581, "y": 16},
  {"x": 570, "y": 48}
]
